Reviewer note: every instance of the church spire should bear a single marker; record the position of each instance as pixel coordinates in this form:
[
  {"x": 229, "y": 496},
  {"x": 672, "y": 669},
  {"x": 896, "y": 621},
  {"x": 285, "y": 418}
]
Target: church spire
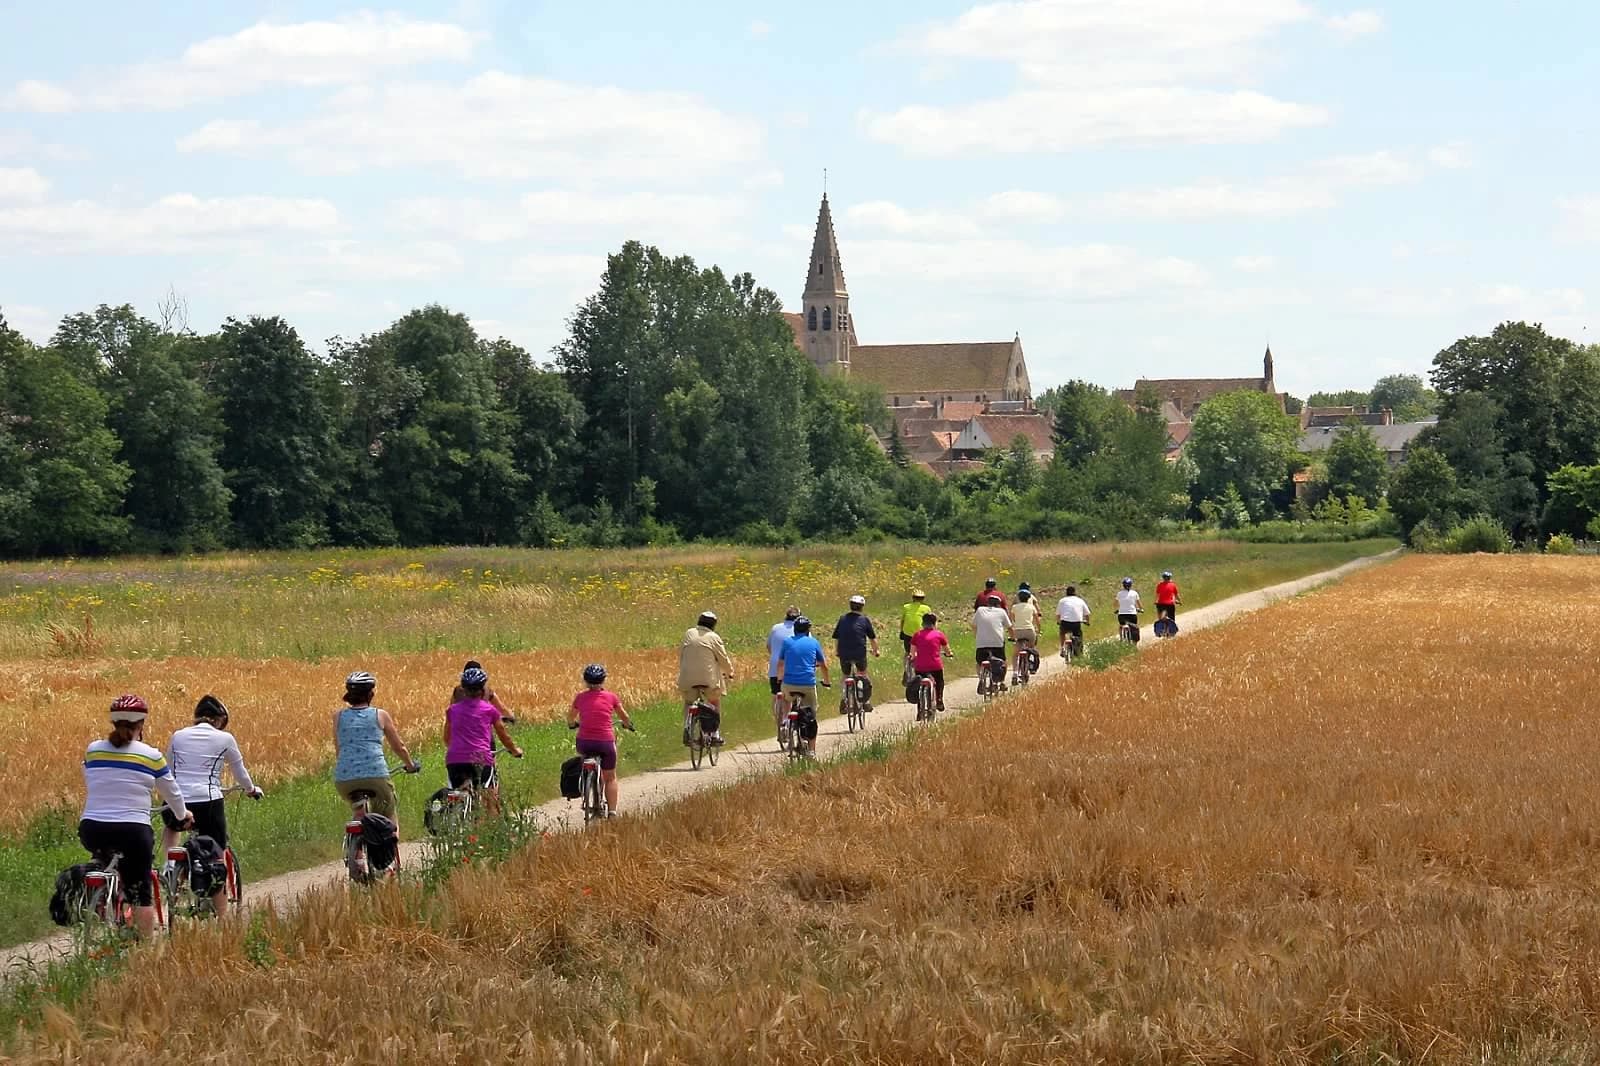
[
  {"x": 825, "y": 303},
  {"x": 826, "y": 274}
]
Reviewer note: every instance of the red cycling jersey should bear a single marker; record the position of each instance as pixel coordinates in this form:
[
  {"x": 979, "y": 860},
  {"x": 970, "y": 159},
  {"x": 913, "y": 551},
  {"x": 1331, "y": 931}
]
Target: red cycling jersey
[{"x": 1166, "y": 593}]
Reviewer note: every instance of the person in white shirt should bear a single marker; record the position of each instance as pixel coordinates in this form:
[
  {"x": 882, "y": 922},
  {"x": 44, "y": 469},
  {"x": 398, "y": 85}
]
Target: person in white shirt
[
  {"x": 775, "y": 639},
  {"x": 1025, "y": 620},
  {"x": 118, "y": 774},
  {"x": 1071, "y": 613},
  {"x": 991, "y": 625},
  {"x": 197, "y": 754},
  {"x": 1128, "y": 607}
]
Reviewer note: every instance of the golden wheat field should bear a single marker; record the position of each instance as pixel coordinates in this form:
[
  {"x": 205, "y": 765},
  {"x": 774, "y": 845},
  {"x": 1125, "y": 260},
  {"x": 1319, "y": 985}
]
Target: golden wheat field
[{"x": 1357, "y": 826}]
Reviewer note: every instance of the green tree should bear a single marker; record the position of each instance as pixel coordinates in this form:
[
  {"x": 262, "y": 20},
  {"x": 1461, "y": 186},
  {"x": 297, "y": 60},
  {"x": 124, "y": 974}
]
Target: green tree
[
  {"x": 277, "y": 436},
  {"x": 1355, "y": 465},
  {"x": 897, "y": 447},
  {"x": 1519, "y": 367},
  {"x": 1424, "y": 489},
  {"x": 1243, "y": 440},
  {"x": 1574, "y": 500},
  {"x": 1081, "y": 414},
  {"x": 1341, "y": 398},
  {"x": 1019, "y": 468},
  {"x": 65, "y": 481},
  {"x": 1406, "y": 395},
  {"x": 1578, "y": 414},
  {"x": 171, "y": 437}
]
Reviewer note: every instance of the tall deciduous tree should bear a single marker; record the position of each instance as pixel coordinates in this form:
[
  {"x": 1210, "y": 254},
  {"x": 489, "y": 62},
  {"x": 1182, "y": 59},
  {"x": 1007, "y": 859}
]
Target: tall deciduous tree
[
  {"x": 1081, "y": 414},
  {"x": 1425, "y": 490},
  {"x": 277, "y": 436},
  {"x": 1356, "y": 466},
  {"x": 1244, "y": 440},
  {"x": 1406, "y": 395}
]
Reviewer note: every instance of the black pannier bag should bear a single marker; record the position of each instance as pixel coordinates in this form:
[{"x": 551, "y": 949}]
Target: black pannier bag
[
  {"x": 208, "y": 872},
  {"x": 571, "y": 770},
  {"x": 69, "y": 897},
  {"x": 864, "y": 688},
  {"x": 710, "y": 718},
  {"x": 382, "y": 840}
]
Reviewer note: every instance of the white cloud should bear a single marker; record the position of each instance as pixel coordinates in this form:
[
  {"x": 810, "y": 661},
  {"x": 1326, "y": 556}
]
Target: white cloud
[
  {"x": 1580, "y": 218},
  {"x": 1320, "y": 186},
  {"x": 34, "y": 323},
  {"x": 1455, "y": 155},
  {"x": 1356, "y": 23},
  {"x": 760, "y": 28},
  {"x": 1254, "y": 264},
  {"x": 1020, "y": 205},
  {"x": 538, "y": 214},
  {"x": 22, "y": 184},
  {"x": 342, "y": 51},
  {"x": 20, "y": 144},
  {"x": 883, "y": 216},
  {"x": 1094, "y": 73},
  {"x": 1077, "y": 272},
  {"x": 499, "y": 125},
  {"x": 340, "y": 262},
  {"x": 179, "y": 222},
  {"x": 1530, "y": 304}
]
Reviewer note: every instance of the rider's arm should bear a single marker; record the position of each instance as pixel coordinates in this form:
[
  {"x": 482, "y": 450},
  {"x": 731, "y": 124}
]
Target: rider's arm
[
  {"x": 505, "y": 738},
  {"x": 622, "y": 713},
  {"x": 447, "y": 729},
  {"x": 724, "y": 660},
  {"x": 386, "y": 722},
  {"x": 494, "y": 701},
  {"x": 572, "y": 715},
  {"x": 236, "y": 767},
  {"x": 167, "y": 786},
  {"x": 822, "y": 663}
]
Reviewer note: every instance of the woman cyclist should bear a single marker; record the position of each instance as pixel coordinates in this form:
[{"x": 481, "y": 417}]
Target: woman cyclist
[
  {"x": 470, "y": 725},
  {"x": 590, "y": 715},
  {"x": 118, "y": 774},
  {"x": 198, "y": 753},
  {"x": 359, "y": 730}
]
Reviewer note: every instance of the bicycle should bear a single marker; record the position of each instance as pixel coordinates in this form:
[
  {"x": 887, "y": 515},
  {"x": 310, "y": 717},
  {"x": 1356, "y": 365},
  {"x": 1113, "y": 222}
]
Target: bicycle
[
  {"x": 1022, "y": 666},
  {"x": 795, "y": 746},
  {"x": 177, "y": 880},
  {"x": 990, "y": 686},
  {"x": 925, "y": 698},
  {"x": 591, "y": 786},
  {"x": 780, "y": 716},
  {"x": 451, "y": 810},
  {"x": 702, "y": 720},
  {"x": 355, "y": 840},
  {"x": 853, "y": 703},
  {"x": 1128, "y": 632},
  {"x": 104, "y": 901}
]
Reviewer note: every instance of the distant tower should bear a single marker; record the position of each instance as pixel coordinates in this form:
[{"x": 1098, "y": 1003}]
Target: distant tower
[
  {"x": 826, "y": 303},
  {"x": 1268, "y": 385}
]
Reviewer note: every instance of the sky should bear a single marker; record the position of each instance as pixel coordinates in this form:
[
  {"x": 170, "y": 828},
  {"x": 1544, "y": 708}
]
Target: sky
[{"x": 1143, "y": 188}]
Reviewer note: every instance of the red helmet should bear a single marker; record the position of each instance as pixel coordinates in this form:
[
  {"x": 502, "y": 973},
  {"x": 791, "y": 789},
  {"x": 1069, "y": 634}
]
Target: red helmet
[{"x": 129, "y": 708}]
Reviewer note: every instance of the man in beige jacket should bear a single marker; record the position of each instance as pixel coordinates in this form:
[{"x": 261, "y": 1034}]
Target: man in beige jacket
[{"x": 703, "y": 663}]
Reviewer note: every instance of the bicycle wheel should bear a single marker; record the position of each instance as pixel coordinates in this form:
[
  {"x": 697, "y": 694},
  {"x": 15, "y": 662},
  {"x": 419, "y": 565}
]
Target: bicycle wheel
[
  {"x": 163, "y": 913},
  {"x": 711, "y": 754},
  {"x": 169, "y": 883},
  {"x": 235, "y": 877},
  {"x": 697, "y": 744}
]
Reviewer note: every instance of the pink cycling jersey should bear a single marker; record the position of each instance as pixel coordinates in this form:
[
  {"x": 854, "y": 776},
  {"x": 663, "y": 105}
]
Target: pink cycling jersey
[{"x": 595, "y": 708}]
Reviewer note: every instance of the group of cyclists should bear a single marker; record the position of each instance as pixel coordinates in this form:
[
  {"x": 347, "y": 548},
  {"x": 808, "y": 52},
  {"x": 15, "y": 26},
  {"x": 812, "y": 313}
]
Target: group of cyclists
[{"x": 121, "y": 770}]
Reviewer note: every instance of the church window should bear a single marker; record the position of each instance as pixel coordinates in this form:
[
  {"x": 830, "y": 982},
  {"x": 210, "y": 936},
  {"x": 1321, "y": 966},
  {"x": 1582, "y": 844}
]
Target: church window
[
  {"x": 827, "y": 318},
  {"x": 811, "y": 319}
]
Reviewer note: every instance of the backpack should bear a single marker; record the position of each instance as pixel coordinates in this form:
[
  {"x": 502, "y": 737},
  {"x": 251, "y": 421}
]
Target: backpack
[
  {"x": 908, "y": 677},
  {"x": 208, "y": 872},
  {"x": 864, "y": 688},
  {"x": 68, "y": 899},
  {"x": 710, "y": 719},
  {"x": 571, "y": 770},
  {"x": 382, "y": 839},
  {"x": 432, "y": 813},
  {"x": 1166, "y": 627}
]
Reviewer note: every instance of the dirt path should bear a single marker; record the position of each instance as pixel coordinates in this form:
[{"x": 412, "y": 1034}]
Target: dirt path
[{"x": 653, "y": 788}]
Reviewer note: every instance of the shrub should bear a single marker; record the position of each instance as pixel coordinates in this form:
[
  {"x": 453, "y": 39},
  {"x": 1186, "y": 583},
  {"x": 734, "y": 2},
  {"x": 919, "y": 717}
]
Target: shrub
[
  {"x": 1481, "y": 533},
  {"x": 1560, "y": 544}
]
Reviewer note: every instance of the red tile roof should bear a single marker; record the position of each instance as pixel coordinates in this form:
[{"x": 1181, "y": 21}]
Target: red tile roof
[{"x": 920, "y": 369}]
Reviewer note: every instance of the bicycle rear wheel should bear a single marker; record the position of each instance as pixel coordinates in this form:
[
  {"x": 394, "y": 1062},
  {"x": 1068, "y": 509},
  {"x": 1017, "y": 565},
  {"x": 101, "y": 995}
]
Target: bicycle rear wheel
[
  {"x": 697, "y": 744},
  {"x": 235, "y": 877}
]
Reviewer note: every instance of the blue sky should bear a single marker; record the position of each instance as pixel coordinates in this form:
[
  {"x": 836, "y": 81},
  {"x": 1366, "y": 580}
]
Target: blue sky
[{"x": 1140, "y": 188}]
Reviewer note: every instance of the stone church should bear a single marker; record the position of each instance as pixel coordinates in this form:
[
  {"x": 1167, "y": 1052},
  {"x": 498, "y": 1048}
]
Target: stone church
[{"x": 982, "y": 376}]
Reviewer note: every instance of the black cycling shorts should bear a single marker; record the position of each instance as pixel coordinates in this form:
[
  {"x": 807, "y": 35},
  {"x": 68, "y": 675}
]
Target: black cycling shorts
[
  {"x": 210, "y": 820},
  {"x": 1167, "y": 610},
  {"x": 136, "y": 843},
  {"x": 849, "y": 666},
  {"x": 776, "y": 683},
  {"x": 463, "y": 774},
  {"x": 1073, "y": 628},
  {"x": 985, "y": 654}
]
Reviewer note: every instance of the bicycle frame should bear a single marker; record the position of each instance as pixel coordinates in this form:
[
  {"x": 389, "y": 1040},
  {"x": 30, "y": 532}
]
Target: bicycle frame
[
  {"x": 591, "y": 789},
  {"x": 355, "y": 846}
]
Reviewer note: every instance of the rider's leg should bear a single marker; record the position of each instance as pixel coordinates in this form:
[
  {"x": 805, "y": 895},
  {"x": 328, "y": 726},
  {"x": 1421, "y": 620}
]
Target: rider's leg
[
  {"x": 609, "y": 777},
  {"x": 938, "y": 687}
]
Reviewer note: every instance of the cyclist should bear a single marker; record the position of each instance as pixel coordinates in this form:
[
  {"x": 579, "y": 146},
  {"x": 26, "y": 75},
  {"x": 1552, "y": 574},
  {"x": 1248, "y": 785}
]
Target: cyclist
[
  {"x": 591, "y": 714},
  {"x": 779, "y": 633},
  {"x": 118, "y": 774},
  {"x": 703, "y": 662},
  {"x": 991, "y": 624},
  {"x": 1128, "y": 607},
  {"x": 852, "y": 635},
  {"x": 1167, "y": 597},
  {"x": 911, "y": 618},
  {"x": 990, "y": 588},
  {"x": 929, "y": 649},
  {"x": 1025, "y": 623},
  {"x": 459, "y": 693},
  {"x": 359, "y": 730},
  {"x": 198, "y": 752},
  {"x": 1072, "y": 611},
  {"x": 470, "y": 724},
  {"x": 799, "y": 662}
]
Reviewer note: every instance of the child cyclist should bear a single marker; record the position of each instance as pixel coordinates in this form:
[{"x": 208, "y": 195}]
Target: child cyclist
[
  {"x": 470, "y": 726},
  {"x": 591, "y": 713}
]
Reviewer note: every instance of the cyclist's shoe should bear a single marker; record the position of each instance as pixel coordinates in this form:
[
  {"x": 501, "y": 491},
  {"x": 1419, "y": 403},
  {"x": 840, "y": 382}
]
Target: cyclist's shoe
[
  {"x": 865, "y": 707},
  {"x": 716, "y": 738},
  {"x": 613, "y": 814},
  {"x": 783, "y": 734},
  {"x": 940, "y": 708},
  {"x": 688, "y": 742}
]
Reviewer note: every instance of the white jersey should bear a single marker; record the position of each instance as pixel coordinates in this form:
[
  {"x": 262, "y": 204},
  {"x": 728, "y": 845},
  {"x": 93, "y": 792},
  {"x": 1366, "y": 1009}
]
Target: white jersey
[
  {"x": 1025, "y": 616},
  {"x": 118, "y": 782},
  {"x": 1128, "y": 601},
  {"x": 775, "y": 638},
  {"x": 991, "y": 624},
  {"x": 198, "y": 753},
  {"x": 1072, "y": 609}
]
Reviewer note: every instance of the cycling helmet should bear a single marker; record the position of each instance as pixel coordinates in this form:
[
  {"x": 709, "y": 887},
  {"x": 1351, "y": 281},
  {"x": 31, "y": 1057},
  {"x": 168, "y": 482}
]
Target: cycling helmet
[
  {"x": 993, "y": 601},
  {"x": 474, "y": 677},
  {"x": 1127, "y": 582},
  {"x": 858, "y": 600},
  {"x": 1166, "y": 575},
  {"x": 594, "y": 674},
  {"x": 802, "y": 624},
  {"x": 360, "y": 679},
  {"x": 129, "y": 708},
  {"x": 1024, "y": 595},
  {"x": 1024, "y": 587},
  {"x": 990, "y": 583},
  {"x": 210, "y": 707}
]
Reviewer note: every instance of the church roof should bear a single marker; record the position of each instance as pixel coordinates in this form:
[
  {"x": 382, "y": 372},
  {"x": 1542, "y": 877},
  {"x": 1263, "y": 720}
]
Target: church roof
[
  {"x": 925, "y": 368},
  {"x": 797, "y": 326},
  {"x": 998, "y": 431}
]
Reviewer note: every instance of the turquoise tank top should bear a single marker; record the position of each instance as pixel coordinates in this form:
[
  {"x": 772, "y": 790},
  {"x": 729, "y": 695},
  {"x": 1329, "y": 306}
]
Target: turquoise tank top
[{"x": 360, "y": 745}]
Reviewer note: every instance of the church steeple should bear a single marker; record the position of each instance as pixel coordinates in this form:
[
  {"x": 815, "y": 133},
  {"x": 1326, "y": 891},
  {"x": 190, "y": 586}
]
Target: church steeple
[
  {"x": 1268, "y": 385},
  {"x": 825, "y": 303}
]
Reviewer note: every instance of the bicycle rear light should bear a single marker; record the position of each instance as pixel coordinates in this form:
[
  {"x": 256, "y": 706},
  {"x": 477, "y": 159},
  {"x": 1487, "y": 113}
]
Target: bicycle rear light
[
  {"x": 177, "y": 854},
  {"x": 353, "y": 828},
  {"x": 95, "y": 879}
]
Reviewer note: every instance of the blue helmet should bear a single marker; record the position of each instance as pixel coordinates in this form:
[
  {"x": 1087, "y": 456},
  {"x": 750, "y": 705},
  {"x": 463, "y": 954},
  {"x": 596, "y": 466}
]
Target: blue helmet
[
  {"x": 474, "y": 677},
  {"x": 594, "y": 674}
]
